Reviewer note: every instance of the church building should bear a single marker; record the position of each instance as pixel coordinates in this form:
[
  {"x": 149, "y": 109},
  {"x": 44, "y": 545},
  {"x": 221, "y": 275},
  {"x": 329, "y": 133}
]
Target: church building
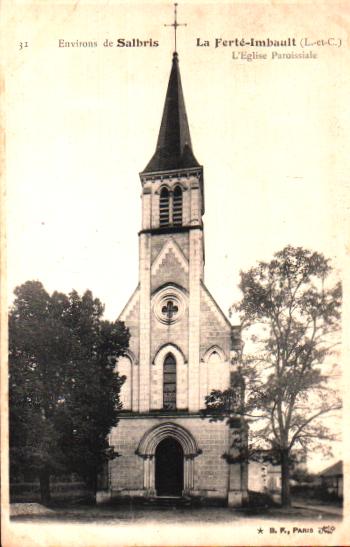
[{"x": 181, "y": 343}]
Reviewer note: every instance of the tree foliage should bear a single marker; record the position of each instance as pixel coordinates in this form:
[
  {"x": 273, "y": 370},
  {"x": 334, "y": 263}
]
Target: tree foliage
[
  {"x": 64, "y": 392},
  {"x": 290, "y": 314}
]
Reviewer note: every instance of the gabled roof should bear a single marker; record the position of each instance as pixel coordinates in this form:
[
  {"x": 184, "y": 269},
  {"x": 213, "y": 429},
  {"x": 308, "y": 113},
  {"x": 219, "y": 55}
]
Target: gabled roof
[
  {"x": 174, "y": 148},
  {"x": 130, "y": 304},
  {"x": 214, "y": 306},
  {"x": 333, "y": 470}
]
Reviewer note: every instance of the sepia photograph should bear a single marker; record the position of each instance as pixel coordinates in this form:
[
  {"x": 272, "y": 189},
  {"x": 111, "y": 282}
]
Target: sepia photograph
[{"x": 175, "y": 273}]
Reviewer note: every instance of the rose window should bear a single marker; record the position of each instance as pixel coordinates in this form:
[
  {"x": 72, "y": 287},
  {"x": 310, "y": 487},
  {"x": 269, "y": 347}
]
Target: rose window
[{"x": 169, "y": 305}]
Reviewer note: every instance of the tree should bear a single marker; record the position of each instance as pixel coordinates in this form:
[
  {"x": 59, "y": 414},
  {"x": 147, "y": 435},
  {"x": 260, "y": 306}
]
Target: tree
[
  {"x": 290, "y": 312},
  {"x": 64, "y": 393}
]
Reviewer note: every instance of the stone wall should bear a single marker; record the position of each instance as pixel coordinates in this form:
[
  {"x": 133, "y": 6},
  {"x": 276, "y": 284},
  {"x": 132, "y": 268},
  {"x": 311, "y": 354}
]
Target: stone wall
[{"x": 210, "y": 470}]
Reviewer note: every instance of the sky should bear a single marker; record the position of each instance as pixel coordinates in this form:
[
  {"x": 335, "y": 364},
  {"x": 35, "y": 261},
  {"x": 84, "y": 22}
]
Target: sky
[{"x": 82, "y": 122}]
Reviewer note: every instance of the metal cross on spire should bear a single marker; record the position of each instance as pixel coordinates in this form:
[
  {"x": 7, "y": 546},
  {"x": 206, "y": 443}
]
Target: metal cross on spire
[{"x": 175, "y": 24}]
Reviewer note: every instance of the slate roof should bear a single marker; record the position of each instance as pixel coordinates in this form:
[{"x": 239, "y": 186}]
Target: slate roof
[
  {"x": 174, "y": 148},
  {"x": 334, "y": 470}
]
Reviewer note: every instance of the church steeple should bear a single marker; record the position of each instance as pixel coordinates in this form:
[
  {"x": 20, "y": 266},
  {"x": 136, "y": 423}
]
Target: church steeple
[
  {"x": 180, "y": 341},
  {"x": 174, "y": 148}
]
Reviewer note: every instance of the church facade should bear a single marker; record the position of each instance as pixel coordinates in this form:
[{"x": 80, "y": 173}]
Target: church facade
[{"x": 181, "y": 342}]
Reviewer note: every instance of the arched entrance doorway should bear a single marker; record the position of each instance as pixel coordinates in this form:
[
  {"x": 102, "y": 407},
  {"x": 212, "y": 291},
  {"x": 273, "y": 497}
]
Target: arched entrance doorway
[
  {"x": 151, "y": 446},
  {"x": 169, "y": 475}
]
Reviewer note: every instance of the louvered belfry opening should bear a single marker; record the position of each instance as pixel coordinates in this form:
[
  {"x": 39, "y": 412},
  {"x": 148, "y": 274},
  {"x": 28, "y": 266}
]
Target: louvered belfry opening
[
  {"x": 169, "y": 382},
  {"x": 177, "y": 206},
  {"x": 164, "y": 207}
]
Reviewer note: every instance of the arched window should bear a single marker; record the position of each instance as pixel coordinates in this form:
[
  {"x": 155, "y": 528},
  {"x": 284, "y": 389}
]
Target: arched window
[
  {"x": 169, "y": 382},
  {"x": 216, "y": 374},
  {"x": 214, "y": 358},
  {"x": 164, "y": 207},
  {"x": 177, "y": 206},
  {"x": 124, "y": 368}
]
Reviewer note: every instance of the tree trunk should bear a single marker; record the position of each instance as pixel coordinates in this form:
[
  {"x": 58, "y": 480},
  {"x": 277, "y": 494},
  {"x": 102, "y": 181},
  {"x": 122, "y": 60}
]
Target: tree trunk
[
  {"x": 92, "y": 483},
  {"x": 286, "y": 500},
  {"x": 45, "y": 493}
]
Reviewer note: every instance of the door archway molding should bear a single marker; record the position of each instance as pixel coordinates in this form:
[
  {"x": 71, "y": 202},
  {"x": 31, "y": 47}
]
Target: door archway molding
[{"x": 147, "y": 449}]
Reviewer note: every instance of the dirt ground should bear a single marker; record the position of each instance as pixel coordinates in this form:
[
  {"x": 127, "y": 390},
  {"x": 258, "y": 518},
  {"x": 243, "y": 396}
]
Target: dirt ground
[
  {"x": 183, "y": 515},
  {"x": 34, "y": 524}
]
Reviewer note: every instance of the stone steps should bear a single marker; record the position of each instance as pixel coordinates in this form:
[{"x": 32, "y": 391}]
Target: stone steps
[{"x": 169, "y": 501}]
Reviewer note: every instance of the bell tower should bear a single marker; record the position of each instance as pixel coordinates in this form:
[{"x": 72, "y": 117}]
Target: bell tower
[
  {"x": 172, "y": 209},
  {"x": 181, "y": 341}
]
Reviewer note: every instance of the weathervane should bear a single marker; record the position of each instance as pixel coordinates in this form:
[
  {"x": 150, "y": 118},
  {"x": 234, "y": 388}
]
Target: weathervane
[{"x": 175, "y": 24}]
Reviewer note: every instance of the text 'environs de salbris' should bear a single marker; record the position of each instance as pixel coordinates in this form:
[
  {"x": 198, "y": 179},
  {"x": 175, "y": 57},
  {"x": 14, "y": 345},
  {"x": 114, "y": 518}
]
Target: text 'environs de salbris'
[{"x": 216, "y": 43}]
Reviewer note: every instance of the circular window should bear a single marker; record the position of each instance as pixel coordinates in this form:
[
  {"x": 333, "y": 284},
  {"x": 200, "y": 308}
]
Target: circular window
[{"x": 169, "y": 305}]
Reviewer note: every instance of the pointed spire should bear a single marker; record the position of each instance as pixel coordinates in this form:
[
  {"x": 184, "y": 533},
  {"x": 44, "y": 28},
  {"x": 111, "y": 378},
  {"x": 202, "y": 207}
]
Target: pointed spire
[{"x": 174, "y": 149}]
